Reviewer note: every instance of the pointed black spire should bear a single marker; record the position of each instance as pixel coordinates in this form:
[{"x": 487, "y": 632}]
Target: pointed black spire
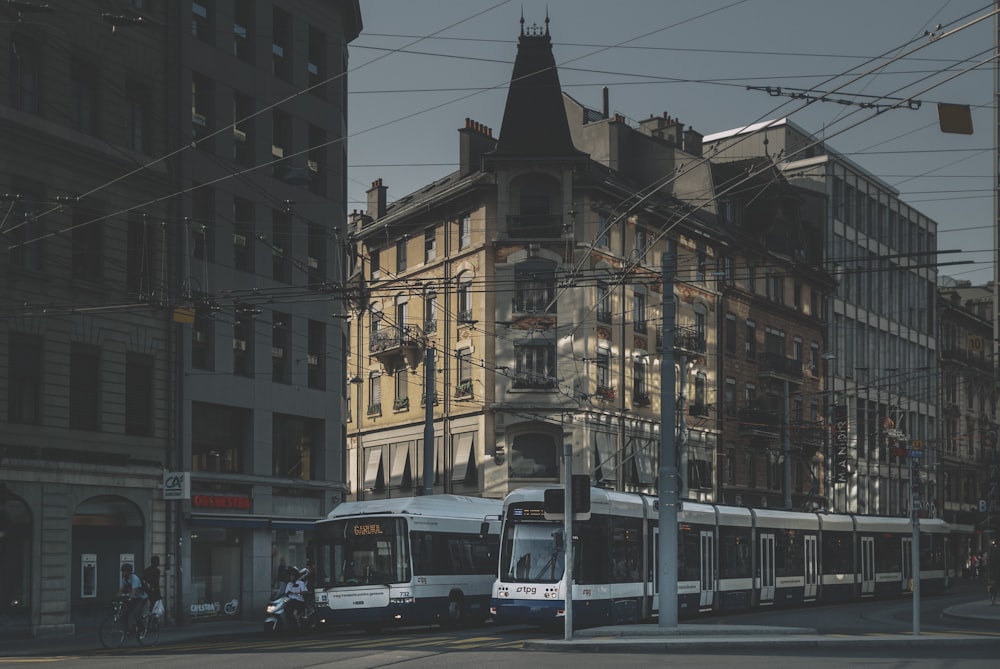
[{"x": 534, "y": 120}]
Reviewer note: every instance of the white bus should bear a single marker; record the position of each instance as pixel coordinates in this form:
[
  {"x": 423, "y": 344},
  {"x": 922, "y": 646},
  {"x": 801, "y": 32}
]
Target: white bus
[{"x": 411, "y": 560}]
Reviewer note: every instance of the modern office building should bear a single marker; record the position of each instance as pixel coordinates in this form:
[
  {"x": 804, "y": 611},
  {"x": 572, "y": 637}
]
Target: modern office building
[
  {"x": 173, "y": 222},
  {"x": 881, "y": 336}
]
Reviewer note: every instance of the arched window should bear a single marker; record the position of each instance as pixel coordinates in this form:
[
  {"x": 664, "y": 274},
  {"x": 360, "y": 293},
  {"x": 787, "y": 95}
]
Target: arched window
[
  {"x": 533, "y": 455},
  {"x": 534, "y": 286}
]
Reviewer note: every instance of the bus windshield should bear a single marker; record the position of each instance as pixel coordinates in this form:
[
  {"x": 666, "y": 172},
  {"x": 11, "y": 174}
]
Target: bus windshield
[
  {"x": 361, "y": 551},
  {"x": 534, "y": 553}
]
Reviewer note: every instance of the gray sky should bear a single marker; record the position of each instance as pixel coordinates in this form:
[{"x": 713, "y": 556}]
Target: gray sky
[{"x": 420, "y": 67}]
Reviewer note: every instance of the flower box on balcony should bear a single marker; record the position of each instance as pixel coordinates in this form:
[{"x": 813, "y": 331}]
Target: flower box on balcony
[
  {"x": 605, "y": 392},
  {"x": 464, "y": 388},
  {"x": 401, "y": 403},
  {"x": 374, "y": 409},
  {"x": 641, "y": 400}
]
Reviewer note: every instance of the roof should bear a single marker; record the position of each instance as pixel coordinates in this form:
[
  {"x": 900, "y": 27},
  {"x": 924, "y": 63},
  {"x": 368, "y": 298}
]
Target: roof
[{"x": 446, "y": 506}]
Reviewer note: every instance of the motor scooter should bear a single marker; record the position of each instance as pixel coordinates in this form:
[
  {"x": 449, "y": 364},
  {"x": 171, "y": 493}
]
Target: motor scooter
[{"x": 279, "y": 617}]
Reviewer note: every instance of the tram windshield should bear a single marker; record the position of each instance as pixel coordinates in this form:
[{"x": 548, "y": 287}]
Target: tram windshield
[
  {"x": 359, "y": 551},
  {"x": 534, "y": 553}
]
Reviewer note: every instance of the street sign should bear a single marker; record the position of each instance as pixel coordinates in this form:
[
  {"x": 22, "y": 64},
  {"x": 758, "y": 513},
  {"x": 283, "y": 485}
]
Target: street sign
[{"x": 914, "y": 453}]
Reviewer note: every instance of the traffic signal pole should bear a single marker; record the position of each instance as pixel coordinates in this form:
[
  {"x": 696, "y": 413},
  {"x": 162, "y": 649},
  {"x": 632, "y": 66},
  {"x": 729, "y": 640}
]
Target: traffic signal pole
[
  {"x": 667, "y": 486},
  {"x": 568, "y": 537}
]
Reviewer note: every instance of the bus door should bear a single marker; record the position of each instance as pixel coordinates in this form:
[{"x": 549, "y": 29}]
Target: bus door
[
  {"x": 867, "y": 565},
  {"x": 766, "y": 568},
  {"x": 707, "y": 569},
  {"x": 811, "y": 565},
  {"x": 906, "y": 560}
]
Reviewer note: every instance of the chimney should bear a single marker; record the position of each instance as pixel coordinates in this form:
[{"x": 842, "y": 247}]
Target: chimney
[
  {"x": 692, "y": 141},
  {"x": 606, "y": 102},
  {"x": 376, "y": 199},
  {"x": 664, "y": 127},
  {"x": 475, "y": 139}
]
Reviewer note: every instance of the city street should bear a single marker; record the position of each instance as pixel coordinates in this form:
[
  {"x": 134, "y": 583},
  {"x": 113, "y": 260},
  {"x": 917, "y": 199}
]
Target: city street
[{"x": 493, "y": 646}]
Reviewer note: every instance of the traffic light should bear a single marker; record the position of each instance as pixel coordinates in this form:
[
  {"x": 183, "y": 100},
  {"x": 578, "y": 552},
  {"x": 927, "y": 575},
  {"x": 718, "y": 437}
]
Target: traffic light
[{"x": 554, "y": 500}]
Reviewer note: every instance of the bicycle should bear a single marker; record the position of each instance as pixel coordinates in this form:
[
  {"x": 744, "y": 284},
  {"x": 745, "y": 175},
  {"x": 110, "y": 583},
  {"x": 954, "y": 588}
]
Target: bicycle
[{"x": 112, "y": 633}]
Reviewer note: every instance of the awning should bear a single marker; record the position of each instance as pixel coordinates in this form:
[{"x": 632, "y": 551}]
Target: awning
[
  {"x": 293, "y": 524},
  {"x": 372, "y": 464},
  {"x": 227, "y": 520},
  {"x": 605, "y": 454},
  {"x": 463, "y": 451},
  {"x": 643, "y": 453},
  {"x": 399, "y": 463}
]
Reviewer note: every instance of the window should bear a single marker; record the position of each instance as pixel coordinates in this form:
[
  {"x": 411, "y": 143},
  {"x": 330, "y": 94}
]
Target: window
[
  {"x": 243, "y": 340},
  {"x": 243, "y": 44},
  {"x": 25, "y": 228},
  {"x": 24, "y": 379},
  {"x": 639, "y": 313},
  {"x": 281, "y": 347},
  {"x": 202, "y": 340},
  {"x": 281, "y": 57},
  {"x": 24, "y": 74},
  {"x": 316, "y": 160},
  {"x": 700, "y": 407},
  {"x": 402, "y": 387},
  {"x": 316, "y": 355},
  {"x": 603, "y": 302},
  {"x": 534, "y": 287},
  {"x": 243, "y": 234},
  {"x": 374, "y": 261},
  {"x": 281, "y": 245},
  {"x": 602, "y": 240},
  {"x": 751, "y": 278},
  {"x": 430, "y": 245},
  {"x": 84, "y": 84},
  {"x": 534, "y": 218},
  {"x": 88, "y": 244},
  {"x": 202, "y": 93},
  {"x": 701, "y": 268},
  {"x": 84, "y": 387},
  {"x": 138, "y": 394},
  {"x": 219, "y": 437},
  {"x": 750, "y": 340},
  {"x": 243, "y": 129},
  {"x": 730, "y": 333},
  {"x": 535, "y": 366},
  {"x": 138, "y": 101},
  {"x": 640, "y": 392},
  {"x": 604, "y": 371},
  {"x": 203, "y": 223},
  {"x": 797, "y": 349},
  {"x": 401, "y": 254},
  {"x": 139, "y": 261},
  {"x": 316, "y": 258},
  {"x": 463, "y": 372},
  {"x": 465, "y": 300},
  {"x": 202, "y": 26},
  {"x": 464, "y": 232},
  {"x": 533, "y": 455},
  {"x": 775, "y": 291},
  {"x": 430, "y": 311},
  {"x": 316, "y": 65},
  {"x": 641, "y": 242},
  {"x": 374, "y": 394},
  {"x": 730, "y": 400},
  {"x": 281, "y": 141},
  {"x": 295, "y": 445}
]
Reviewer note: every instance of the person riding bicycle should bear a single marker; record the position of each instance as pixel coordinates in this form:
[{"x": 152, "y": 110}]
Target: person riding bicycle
[{"x": 131, "y": 587}]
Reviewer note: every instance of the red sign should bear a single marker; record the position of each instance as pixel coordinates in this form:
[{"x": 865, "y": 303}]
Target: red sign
[{"x": 220, "y": 502}]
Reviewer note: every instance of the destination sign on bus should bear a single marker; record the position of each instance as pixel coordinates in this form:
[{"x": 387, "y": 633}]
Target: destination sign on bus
[
  {"x": 522, "y": 512},
  {"x": 367, "y": 529}
]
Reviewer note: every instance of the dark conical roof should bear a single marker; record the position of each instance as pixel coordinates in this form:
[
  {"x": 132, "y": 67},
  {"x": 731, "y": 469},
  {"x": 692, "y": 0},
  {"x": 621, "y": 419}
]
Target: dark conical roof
[{"x": 534, "y": 120}]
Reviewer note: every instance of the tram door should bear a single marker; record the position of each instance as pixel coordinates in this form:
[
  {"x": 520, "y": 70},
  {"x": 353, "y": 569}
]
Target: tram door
[
  {"x": 766, "y": 568},
  {"x": 811, "y": 565},
  {"x": 867, "y": 565},
  {"x": 906, "y": 560},
  {"x": 707, "y": 569}
]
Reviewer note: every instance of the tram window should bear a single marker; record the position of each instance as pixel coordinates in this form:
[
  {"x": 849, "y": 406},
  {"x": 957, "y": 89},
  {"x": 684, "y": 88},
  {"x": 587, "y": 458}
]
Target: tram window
[
  {"x": 626, "y": 550},
  {"x": 837, "y": 553},
  {"x": 734, "y": 552},
  {"x": 590, "y": 553},
  {"x": 888, "y": 553},
  {"x": 689, "y": 557},
  {"x": 787, "y": 554}
]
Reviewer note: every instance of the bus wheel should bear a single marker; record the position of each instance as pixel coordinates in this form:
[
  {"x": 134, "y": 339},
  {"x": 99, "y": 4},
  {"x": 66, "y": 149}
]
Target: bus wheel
[{"x": 456, "y": 610}]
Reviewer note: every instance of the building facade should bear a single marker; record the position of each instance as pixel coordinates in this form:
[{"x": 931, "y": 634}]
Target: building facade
[
  {"x": 167, "y": 308},
  {"x": 968, "y": 468},
  {"x": 881, "y": 334}
]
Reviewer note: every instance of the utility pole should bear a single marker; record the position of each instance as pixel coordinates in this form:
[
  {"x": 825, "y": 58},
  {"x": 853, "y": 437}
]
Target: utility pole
[
  {"x": 667, "y": 486},
  {"x": 428, "y": 487}
]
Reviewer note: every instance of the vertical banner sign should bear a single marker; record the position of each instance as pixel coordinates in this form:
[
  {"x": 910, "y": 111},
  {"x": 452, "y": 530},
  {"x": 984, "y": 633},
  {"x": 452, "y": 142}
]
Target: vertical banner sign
[{"x": 840, "y": 437}]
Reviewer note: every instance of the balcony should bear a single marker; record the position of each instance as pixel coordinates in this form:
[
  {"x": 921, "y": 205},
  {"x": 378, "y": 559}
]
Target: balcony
[
  {"x": 698, "y": 410},
  {"x": 394, "y": 345},
  {"x": 641, "y": 399},
  {"x": 775, "y": 365},
  {"x": 757, "y": 418},
  {"x": 690, "y": 340},
  {"x": 530, "y": 381}
]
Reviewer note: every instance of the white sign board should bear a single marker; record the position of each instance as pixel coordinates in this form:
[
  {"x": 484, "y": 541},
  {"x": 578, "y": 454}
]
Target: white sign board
[{"x": 176, "y": 485}]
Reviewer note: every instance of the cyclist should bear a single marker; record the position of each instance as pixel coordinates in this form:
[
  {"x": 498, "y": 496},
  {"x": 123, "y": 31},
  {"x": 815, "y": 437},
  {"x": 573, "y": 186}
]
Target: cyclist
[{"x": 131, "y": 587}]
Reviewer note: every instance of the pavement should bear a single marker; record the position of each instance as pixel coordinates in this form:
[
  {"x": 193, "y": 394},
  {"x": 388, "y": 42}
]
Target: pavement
[{"x": 984, "y": 630}]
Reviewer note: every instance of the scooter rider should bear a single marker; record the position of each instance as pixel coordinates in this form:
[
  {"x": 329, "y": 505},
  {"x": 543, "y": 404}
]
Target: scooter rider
[{"x": 296, "y": 590}]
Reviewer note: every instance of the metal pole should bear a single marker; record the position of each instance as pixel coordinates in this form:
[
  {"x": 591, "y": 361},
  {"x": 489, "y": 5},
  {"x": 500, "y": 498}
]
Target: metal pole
[
  {"x": 787, "y": 451},
  {"x": 428, "y": 488},
  {"x": 667, "y": 485},
  {"x": 914, "y": 549},
  {"x": 568, "y": 538}
]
